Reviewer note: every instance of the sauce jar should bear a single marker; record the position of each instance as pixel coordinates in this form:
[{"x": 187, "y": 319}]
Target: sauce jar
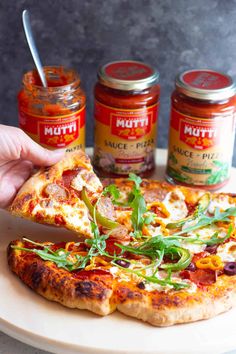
[
  {"x": 53, "y": 116},
  {"x": 126, "y": 108},
  {"x": 202, "y": 129}
]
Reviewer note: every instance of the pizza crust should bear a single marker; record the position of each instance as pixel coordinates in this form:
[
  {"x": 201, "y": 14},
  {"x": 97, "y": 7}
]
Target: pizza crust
[
  {"x": 98, "y": 292},
  {"x": 175, "y": 307}
]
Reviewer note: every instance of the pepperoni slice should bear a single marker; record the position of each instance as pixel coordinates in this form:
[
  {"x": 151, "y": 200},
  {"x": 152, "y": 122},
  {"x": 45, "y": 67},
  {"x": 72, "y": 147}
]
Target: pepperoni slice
[
  {"x": 111, "y": 248},
  {"x": 191, "y": 208},
  {"x": 90, "y": 274},
  {"x": 68, "y": 176},
  {"x": 154, "y": 195},
  {"x": 200, "y": 277},
  {"x": 57, "y": 246}
]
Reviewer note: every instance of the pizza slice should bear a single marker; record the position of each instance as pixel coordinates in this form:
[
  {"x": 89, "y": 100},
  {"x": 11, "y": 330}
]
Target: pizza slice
[{"x": 53, "y": 195}]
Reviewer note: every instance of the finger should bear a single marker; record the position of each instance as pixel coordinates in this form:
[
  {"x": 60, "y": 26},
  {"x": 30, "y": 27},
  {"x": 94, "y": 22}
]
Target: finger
[
  {"x": 15, "y": 144},
  {"x": 13, "y": 175},
  {"x": 30, "y": 150}
]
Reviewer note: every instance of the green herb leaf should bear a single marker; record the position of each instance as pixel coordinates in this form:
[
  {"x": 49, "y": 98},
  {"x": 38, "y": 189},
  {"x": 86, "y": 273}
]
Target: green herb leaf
[
  {"x": 215, "y": 240},
  {"x": 136, "y": 179},
  {"x": 112, "y": 190},
  {"x": 139, "y": 208},
  {"x": 201, "y": 208},
  {"x": 205, "y": 220}
]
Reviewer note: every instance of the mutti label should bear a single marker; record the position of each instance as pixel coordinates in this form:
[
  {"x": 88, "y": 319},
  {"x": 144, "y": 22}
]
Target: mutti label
[
  {"x": 58, "y": 135},
  {"x": 199, "y": 136},
  {"x": 131, "y": 128}
]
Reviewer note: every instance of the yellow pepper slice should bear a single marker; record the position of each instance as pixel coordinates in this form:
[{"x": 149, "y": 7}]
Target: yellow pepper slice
[{"x": 213, "y": 262}]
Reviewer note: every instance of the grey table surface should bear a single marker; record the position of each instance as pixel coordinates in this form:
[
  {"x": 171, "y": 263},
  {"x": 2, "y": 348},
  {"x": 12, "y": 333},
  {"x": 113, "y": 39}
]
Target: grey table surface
[{"x": 10, "y": 345}]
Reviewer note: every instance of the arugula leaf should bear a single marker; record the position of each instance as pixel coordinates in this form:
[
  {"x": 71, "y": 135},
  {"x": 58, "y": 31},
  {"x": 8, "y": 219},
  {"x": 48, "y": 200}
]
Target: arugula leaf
[
  {"x": 201, "y": 208},
  {"x": 60, "y": 257},
  {"x": 66, "y": 259},
  {"x": 157, "y": 247},
  {"x": 140, "y": 215},
  {"x": 154, "y": 279},
  {"x": 139, "y": 208},
  {"x": 205, "y": 220},
  {"x": 113, "y": 191},
  {"x": 215, "y": 240},
  {"x": 136, "y": 179}
]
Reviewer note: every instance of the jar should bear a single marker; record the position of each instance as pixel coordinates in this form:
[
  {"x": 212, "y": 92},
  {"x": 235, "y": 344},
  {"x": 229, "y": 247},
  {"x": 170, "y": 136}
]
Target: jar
[
  {"x": 126, "y": 108},
  {"x": 53, "y": 116},
  {"x": 202, "y": 129}
]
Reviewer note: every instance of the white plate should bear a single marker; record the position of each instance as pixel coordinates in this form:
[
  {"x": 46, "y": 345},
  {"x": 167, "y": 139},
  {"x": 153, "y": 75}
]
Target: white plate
[{"x": 30, "y": 318}]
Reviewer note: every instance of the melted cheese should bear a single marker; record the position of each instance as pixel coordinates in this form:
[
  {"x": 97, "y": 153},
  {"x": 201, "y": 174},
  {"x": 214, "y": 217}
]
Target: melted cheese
[
  {"x": 227, "y": 251},
  {"x": 221, "y": 202},
  {"x": 174, "y": 202},
  {"x": 193, "y": 247},
  {"x": 126, "y": 276},
  {"x": 155, "y": 230},
  {"x": 124, "y": 218},
  {"x": 81, "y": 180},
  {"x": 76, "y": 218},
  {"x": 204, "y": 234}
]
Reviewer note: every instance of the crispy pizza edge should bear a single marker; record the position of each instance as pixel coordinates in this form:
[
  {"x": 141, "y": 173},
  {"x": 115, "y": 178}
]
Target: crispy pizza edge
[
  {"x": 45, "y": 278},
  {"x": 103, "y": 295},
  {"x": 167, "y": 309}
]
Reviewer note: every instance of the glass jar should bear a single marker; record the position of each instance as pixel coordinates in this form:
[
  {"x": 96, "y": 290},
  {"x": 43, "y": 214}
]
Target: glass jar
[
  {"x": 126, "y": 108},
  {"x": 202, "y": 129},
  {"x": 53, "y": 116}
]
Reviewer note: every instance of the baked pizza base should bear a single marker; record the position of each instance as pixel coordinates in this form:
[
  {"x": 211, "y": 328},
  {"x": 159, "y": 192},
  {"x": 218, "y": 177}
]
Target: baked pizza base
[
  {"x": 53, "y": 194},
  {"x": 100, "y": 292}
]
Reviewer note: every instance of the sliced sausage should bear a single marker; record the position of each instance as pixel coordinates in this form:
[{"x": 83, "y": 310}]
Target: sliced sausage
[
  {"x": 56, "y": 192},
  {"x": 106, "y": 208}
]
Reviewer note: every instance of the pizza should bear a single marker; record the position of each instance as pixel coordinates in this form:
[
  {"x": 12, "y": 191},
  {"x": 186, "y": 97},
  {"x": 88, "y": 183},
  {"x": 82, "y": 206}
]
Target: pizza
[
  {"x": 161, "y": 253},
  {"x": 53, "y": 194}
]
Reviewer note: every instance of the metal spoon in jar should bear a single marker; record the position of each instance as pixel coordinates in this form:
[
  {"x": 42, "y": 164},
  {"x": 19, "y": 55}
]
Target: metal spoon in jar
[{"x": 32, "y": 46}]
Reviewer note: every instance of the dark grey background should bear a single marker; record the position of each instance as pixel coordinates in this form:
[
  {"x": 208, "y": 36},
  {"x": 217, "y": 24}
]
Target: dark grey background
[{"x": 172, "y": 35}]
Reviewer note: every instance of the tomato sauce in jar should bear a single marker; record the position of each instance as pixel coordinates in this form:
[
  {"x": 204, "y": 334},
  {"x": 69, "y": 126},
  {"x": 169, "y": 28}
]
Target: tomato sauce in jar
[
  {"x": 202, "y": 129},
  {"x": 53, "y": 116},
  {"x": 126, "y": 109}
]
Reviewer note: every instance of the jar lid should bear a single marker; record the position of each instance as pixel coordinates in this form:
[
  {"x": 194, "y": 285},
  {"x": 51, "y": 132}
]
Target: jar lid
[
  {"x": 128, "y": 75},
  {"x": 205, "y": 84}
]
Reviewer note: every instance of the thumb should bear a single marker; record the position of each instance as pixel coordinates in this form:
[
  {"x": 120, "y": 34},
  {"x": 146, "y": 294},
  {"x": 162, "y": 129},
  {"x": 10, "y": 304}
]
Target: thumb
[{"x": 30, "y": 150}]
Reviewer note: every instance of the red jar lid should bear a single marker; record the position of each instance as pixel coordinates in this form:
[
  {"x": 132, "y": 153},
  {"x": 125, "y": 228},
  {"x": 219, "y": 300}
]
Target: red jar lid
[
  {"x": 128, "y": 75},
  {"x": 205, "y": 84}
]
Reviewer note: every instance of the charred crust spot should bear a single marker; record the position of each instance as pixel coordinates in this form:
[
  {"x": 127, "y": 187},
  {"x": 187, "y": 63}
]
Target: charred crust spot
[
  {"x": 124, "y": 293},
  {"x": 84, "y": 288},
  {"x": 88, "y": 289},
  {"x": 161, "y": 301},
  {"x": 58, "y": 282},
  {"x": 134, "y": 295},
  {"x": 35, "y": 274}
]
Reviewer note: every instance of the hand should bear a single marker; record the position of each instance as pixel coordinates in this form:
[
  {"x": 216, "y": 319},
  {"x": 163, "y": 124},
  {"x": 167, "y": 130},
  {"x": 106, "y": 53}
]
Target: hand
[{"x": 18, "y": 155}]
